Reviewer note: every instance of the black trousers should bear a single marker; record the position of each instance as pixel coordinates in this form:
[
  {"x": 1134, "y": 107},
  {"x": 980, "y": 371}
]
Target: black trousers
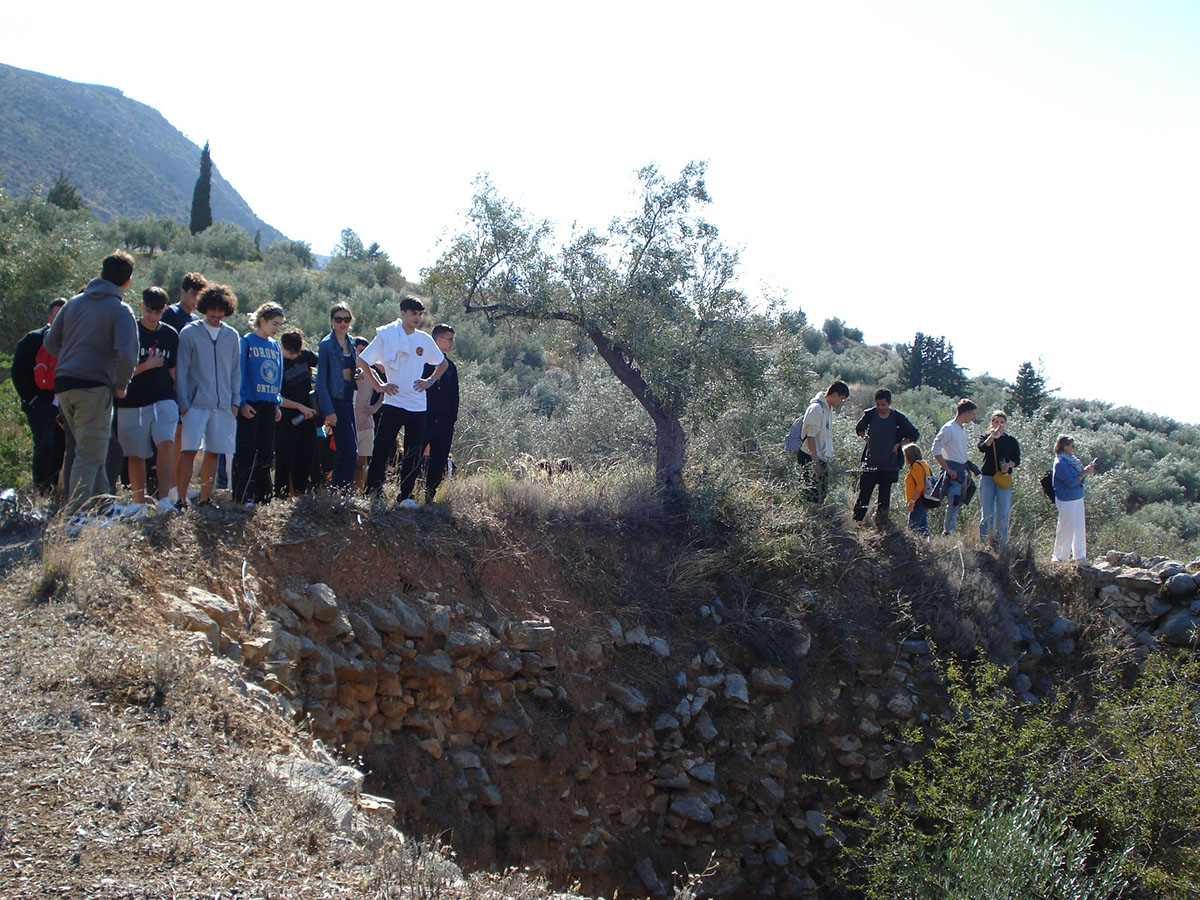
[
  {"x": 294, "y": 449},
  {"x": 255, "y": 453},
  {"x": 439, "y": 434},
  {"x": 391, "y": 420},
  {"x": 867, "y": 482},
  {"x": 49, "y": 444}
]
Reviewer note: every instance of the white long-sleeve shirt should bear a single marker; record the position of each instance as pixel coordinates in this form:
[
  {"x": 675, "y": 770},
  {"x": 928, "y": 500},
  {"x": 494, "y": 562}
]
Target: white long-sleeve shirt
[{"x": 951, "y": 443}]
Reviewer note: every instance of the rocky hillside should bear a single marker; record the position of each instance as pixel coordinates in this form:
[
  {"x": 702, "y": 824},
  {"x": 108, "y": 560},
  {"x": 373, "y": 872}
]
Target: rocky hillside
[
  {"x": 607, "y": 702},
  {"x": 124, "y": 157}
]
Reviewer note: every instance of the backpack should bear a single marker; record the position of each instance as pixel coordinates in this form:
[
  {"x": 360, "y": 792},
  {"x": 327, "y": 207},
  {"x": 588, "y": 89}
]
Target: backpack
[
  {"x": 935, "y": 490},
  {"x": 1048, "y": 485},
  {"x": 43, "y": 369}
]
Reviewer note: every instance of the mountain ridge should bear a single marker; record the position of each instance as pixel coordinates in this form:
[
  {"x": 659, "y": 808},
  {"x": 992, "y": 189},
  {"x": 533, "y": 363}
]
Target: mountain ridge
[{"x": 125, "y": 158}]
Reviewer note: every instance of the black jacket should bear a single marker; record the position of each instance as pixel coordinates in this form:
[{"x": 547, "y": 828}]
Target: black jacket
[
  {"x": 24, "y": 359},
  {"x": 442, "y": 398}
]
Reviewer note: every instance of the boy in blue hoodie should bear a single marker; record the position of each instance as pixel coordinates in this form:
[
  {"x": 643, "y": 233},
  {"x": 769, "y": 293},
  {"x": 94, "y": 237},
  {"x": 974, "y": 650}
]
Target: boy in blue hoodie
[
  {"x": 262, "y": 381},
  {"x": 208, "y": 386}
]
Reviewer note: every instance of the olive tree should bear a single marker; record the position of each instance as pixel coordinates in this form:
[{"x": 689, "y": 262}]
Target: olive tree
[{"x": 653, "y": 293}]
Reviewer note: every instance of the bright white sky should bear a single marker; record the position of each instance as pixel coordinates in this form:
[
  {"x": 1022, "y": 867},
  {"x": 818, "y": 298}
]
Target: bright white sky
[{"x": 1018, "y": 176}]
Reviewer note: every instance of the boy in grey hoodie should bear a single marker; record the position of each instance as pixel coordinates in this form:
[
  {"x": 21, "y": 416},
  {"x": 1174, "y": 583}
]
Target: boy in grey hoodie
[
  {"x": 208, "y": 383},
  {"x": 95, "y": 338}
]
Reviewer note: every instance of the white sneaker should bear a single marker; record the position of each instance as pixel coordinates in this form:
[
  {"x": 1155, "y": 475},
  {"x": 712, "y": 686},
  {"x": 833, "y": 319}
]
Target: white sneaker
[
  {"x": 166, "y": 505},
  {"x": 173, "y": 495},
  {"x": 193, "y": 494},
  {"x": 410, "y": 503},
  {"x": 129, "y": 511}
]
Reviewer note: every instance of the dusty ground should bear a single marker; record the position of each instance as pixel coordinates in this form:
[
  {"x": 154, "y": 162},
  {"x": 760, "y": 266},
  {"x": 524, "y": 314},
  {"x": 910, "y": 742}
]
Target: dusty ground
[{"x": 129, "y": 768}]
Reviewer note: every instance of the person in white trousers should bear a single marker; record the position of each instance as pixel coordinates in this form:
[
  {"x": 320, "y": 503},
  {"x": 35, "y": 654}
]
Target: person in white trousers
[{"x": 1070, "y": 538}]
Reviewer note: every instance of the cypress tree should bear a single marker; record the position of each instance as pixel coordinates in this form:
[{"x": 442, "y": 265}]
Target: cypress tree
[
  {"x": 913, "y": 358},
  {"x": 202, "y": 195}
]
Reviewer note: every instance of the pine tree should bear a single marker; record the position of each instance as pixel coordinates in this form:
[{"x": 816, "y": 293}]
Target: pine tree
[
  {"x": 63, "y": 194},
  {"x": 202, "y": 195},
  {"x": 1030, "y": 390}
]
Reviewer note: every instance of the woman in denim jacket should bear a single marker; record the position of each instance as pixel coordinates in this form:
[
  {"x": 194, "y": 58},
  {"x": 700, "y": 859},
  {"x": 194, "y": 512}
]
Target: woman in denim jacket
[
  {"x": 1070, "y": 538},
  {"x": 336, "y": 362}
]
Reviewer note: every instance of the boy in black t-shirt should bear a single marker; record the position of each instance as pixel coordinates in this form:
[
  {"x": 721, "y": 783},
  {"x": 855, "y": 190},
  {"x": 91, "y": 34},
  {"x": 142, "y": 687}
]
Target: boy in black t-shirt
[{"x": 148, "y": 413}]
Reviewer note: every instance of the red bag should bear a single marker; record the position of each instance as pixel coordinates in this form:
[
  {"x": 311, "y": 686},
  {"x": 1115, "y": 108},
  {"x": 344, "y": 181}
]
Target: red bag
[{"x": 43, "y": 369}]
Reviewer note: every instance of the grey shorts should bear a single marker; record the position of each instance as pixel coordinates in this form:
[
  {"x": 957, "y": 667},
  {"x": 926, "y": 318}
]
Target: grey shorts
[
  {"x": 140, "y": 429},
  {"x": 216, "y": 429}
]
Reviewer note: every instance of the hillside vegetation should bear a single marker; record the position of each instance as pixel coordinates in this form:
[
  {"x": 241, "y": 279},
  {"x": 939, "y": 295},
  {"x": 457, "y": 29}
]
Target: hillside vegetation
[
  {"x": 535, "y": 390},
  {"x": 124, "y": 158}
]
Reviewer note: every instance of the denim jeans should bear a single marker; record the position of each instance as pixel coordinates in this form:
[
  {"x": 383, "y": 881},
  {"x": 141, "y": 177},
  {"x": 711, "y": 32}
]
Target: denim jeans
[
  {"x": 918, "y": 519},
  {"x": 996, "y": 503},
  {"x": 954, "y": 495}
]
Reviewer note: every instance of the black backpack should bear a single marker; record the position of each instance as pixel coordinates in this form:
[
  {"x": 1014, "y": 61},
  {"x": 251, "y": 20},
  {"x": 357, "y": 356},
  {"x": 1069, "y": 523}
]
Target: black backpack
[{"x": 1048, "y": 485}]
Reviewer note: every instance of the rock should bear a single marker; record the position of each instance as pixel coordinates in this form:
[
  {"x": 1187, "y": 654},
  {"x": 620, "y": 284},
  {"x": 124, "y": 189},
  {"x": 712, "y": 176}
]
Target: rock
[
  {"x": 1181, "y": 585},
  {"x": 760, "y": 832},
  {"x": 345, "y": 780},
  {"x": 901, "y": 706},
  {"x": 380, "y": 618},
  {"x": 1168, "y": 569},
  {"x": 815, "y": 821},
  {"x": 218, "y": 608},
  {"x": 660, "y": 646},
  {"x": 406, "y": 617},
  {"x": 847, "y": 743},
  {"x": 868, "y": 729},
  {"x": 473, "y": 641},
  {"x": 1022, "y": 683},
  {"x": 432, "y": 746},
  {"x": 705, "y": 730},
  {"x": 736, "y": 689},
  {"x": 188, "y": 617},
  {"x": 767, "y": 682},
  {"x": 778, "y": 855},
  {"x": 664, "y": 725},
  {"x": 1155, "y": 607},
  {"x": 692, "y": 808},
  {"x": 365, "y": 633},
  {"x": 915, "y": 648},
  {"x": 628, "y": 698},
  {"x": 767, "y": 793},
  {"x": 325, "y": 608},
  {"x": 530, "y": 635},
  {"x": 432, "y": 665},
  {"x": 1061, "y": 628},
  {"x": 637, "y": 635},
  {"x": 1137, "y": 579},
  {"x": 711, "y": 659},
  {"x": 502, "y": 728},
  {"x": 1179, "y": 628},
  {"x": 705, "y": 771},
  {"x": 490, "y": 795},
  {"x": 301, "y": 605},
  {"x": 649, "y": 878}
]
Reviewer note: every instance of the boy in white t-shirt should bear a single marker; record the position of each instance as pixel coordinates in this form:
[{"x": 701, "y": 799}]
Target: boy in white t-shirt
[{"x": 403, "y": 351}]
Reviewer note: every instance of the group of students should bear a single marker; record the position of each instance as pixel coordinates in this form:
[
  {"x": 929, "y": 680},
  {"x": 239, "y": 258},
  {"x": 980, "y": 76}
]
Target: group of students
[
  {"x": 185, "y": 384},
  {"x": 890, "y": 443}
]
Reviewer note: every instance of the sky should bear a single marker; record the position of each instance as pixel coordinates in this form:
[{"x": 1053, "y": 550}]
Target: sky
[{"x": 1020, "y": 177}]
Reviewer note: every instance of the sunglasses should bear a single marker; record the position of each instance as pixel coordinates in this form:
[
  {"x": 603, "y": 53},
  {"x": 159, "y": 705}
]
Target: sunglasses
[{"x": 341, "y": 319}]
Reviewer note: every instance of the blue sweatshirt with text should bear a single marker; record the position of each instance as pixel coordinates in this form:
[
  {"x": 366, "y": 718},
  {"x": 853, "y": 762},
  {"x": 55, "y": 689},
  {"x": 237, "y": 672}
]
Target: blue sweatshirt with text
[{"x": 262, "y": 370}]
